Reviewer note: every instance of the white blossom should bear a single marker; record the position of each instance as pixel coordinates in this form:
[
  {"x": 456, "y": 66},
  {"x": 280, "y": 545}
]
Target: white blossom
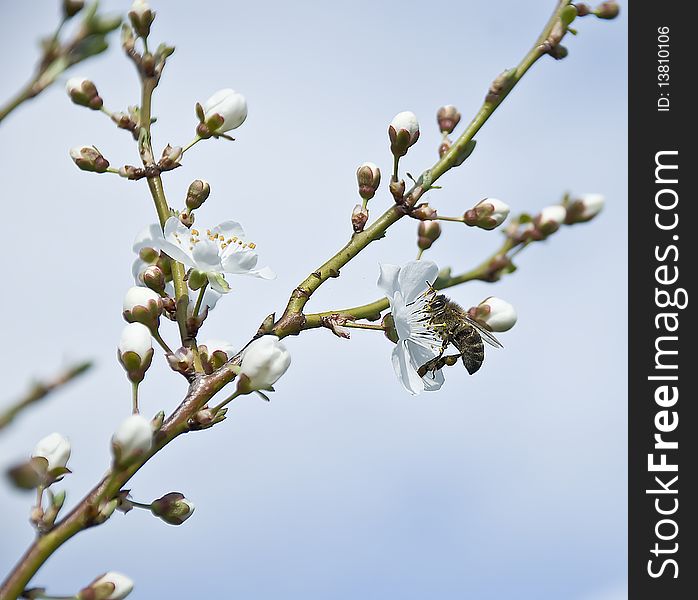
[
  {"x": 417, "y": 342},
  {"x": 55, "y": 449},
  {"x": 403, "y": 132},
  {"x": 230, "y": 105},
  {"x": 140, "y": 7},
  {"x": 133, "y": 438},
  {"x": 263, "y": 362},
  {"x": 222, "y": 249}
]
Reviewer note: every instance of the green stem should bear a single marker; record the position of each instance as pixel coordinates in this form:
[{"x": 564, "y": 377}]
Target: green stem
[
  {"x": 134, "y": 397},
  {"x": 196, "y": 140},
  {"x": 354, "y": 325},
  {"x": 293, "y": 320},
  {"x": 225, "y": 402},
  {"x": 161, "y": 342},
  {"x": 453, "y": 219},
  {"x": 373, "y": 310},
  {"x": 419, "y": 254},
  {"x": 139, "y": 504},
  {"x": 26, "y": 93},
  {"x": 157, "y": 192},
  {"x": 200, "y": 300},
  {"x": 396, "y": 165}
]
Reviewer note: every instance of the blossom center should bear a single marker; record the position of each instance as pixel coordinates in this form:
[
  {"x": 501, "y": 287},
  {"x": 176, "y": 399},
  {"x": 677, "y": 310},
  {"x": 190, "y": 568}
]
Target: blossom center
[{"x": 233, "y": 243}]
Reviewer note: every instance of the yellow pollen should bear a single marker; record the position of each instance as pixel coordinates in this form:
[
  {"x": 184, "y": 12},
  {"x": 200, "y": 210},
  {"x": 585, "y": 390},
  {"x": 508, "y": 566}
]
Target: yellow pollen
[
  {"x": 252, "y": 245},
  {"x": 195, "y": 232}
]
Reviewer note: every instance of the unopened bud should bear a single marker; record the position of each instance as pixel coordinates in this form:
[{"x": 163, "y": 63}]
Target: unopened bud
[
  {"x": 448, "y": 118},
  {"x": 444, "y": 147},
  {"x": 607, "y": 10},
  {"x": 225, "y": 110},
  {"x": 170, "y": 158},
  {"x": 135, "y": 351},
  {"x": 558, "y": 52},
  {"x": 427, "y": 233},
  {"x": 131, "y": 172},
  {"x": 141, "y": 17},
  {"x": 197, "y": 193},
  {"x": 83, "y": 93},
  {"x": 88, "y": 158},
  {"x": 359, "y": 217},
  {"x": 72, "y": 7},
  {"x": 550, "y": 219},
  {"x": 403, "y": 132},
  {"x": 215, "y": 353},
  {"x": 582, "y": 9},
  {"x": 494, "y": 314},
  {"x": 181, "y": 361},
  {"x": 368, "y": 176},
  {"x": 397, "y": 189},
  {"x": 584, "y": 208},
  {"x": 110, "y": 586},
  {"x": 154, "y": 278},
  {"x": 143, "y": 305},
  {"x": 500, "y": 86},
  {"x": 424, "y": 212},
  {"x": 487, "y": 214},
  {"x": 173, "y": 508},
  {"x": 132, "y": 439}
]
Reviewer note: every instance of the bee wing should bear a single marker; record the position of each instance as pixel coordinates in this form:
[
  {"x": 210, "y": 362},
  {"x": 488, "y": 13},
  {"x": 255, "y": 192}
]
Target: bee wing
[{"x": 486, "y": 335}]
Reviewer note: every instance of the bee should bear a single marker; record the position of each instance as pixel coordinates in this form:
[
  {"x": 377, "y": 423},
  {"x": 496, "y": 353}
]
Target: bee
[{"x": 456, "y": 327}]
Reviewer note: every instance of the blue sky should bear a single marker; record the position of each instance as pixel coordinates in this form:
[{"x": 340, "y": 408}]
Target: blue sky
[{"x": 510, "y": 483}]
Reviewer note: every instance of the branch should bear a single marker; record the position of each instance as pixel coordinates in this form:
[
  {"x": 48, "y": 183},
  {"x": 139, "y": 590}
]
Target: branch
[
  {"x": 40, "y": 390},
  {"x": 293, "y": 320},
  {"x": 89, "y": 40}
]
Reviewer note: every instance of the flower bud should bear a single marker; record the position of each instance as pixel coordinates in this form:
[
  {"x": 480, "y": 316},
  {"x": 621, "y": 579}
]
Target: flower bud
[
  {"x": 225, "y": 110},
  {"x": 427, "y": 233},
  {"x": 550, "y": 219},
  {"x": 215, "y": 353},
  {"x": 397, "y": 189},
  {"x": 154, "y": 278},
  {"x": 359, "y": 217},
  {"x": 424, "y": 212},
  {"x": 403, "y": 132},
  {"x": 494, "y": 314},
  {"x": 500, "y": 86},
  {"x": 28, "y": 475},
  {"x": 607, "y": 10},
  {"x": 173, "y": 508},
  {"x": 582, "y": 9},
  {"x": 197, "y": 194},
  {"x": 487, "y": 214},
  {"x": 143, "y": 305},
  {"x": 558, "y": 52},
  {"x": 135, "y": 350},
  {"x": 170, "y": 158},
  {"x": 181, "y": 361},
  {"x": 83, "y": 93},
  {"x": 132, "y": 439},
  {"x": 584, "y": 208},
  {"x": 110, "y": 586},
  {"x": 88, "y": 158},
  {"x": 72, "y": 7},
  {"x": 444, "y": 147},
  {"x": 187, "y": 219},
  {"x": 141, "y": 17},
  {"x": 368, "y": 176},
  {"x": 55, "y": 449},
  {"x": 264, "y": 361},
  {"x": 448, "y": 118}
]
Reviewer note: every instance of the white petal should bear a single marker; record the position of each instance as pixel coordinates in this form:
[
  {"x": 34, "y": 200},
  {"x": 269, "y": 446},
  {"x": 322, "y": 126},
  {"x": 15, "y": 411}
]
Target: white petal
[
  {"x": 55, "y": 449},
  {"x": 229, "y": 229},
  {"x": 404, "y": 370},
  {"x": 263, "y": 273},
  {"x": 419, "y": 356},
  {"x": 388, "y": 279},
  {"x": 238, "y": 262},
  {"x": 146, "y": 236},
  {"x": 206, "y": 256},
  {"x": 415, "y": 276}
]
